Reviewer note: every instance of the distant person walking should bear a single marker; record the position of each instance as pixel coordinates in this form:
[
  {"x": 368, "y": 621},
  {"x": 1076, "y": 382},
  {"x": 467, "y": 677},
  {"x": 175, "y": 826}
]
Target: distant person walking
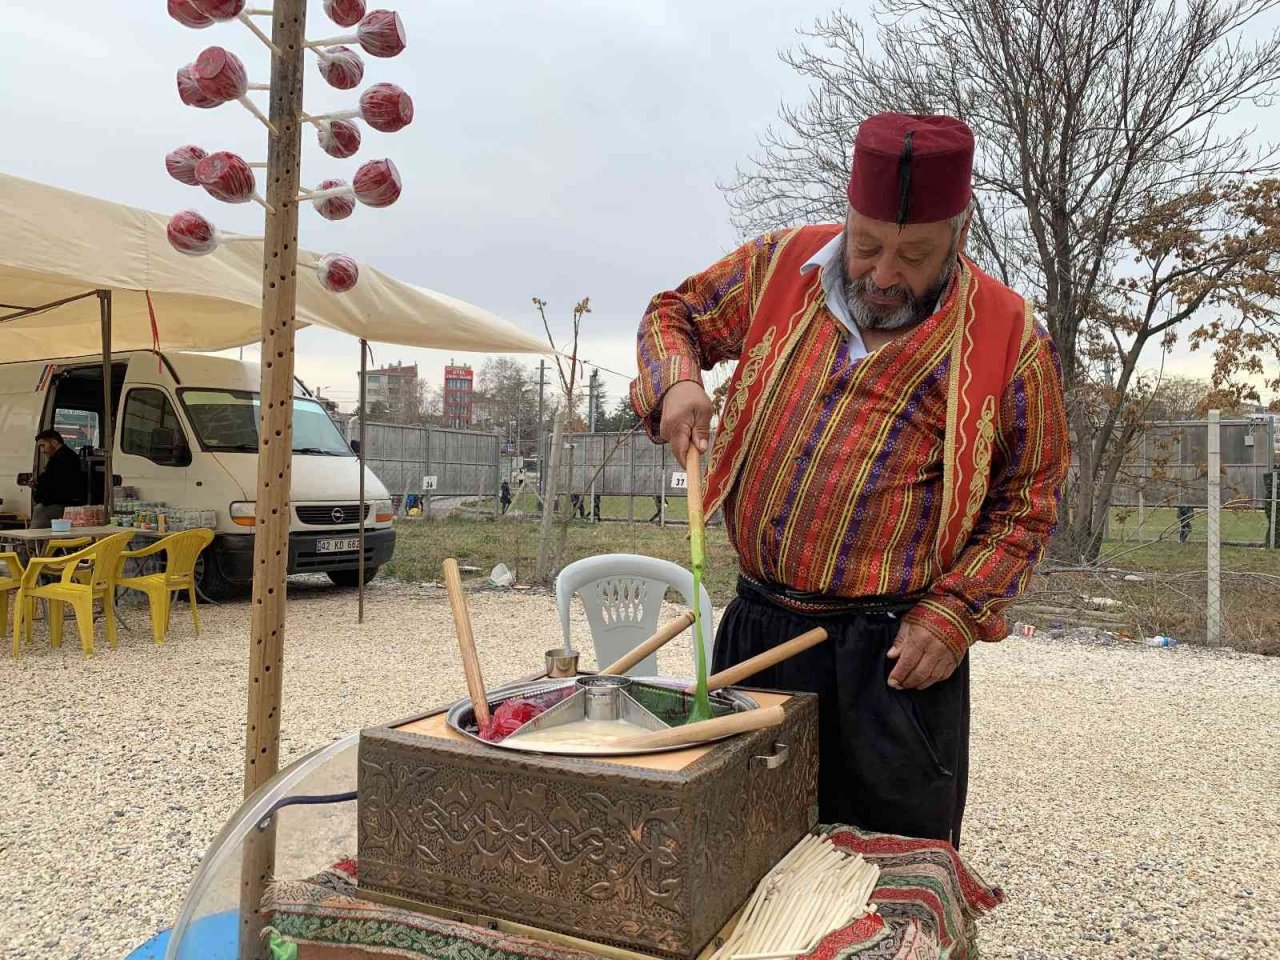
[{"x": 505, "y": 496}]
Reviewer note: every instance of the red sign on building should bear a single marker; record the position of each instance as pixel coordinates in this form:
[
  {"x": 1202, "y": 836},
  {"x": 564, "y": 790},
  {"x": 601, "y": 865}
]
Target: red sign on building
[{"x": 458, "y": 384}]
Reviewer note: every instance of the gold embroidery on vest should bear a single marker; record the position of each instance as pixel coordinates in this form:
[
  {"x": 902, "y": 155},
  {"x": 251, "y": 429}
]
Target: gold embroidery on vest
[
  {"x": 982, "y": 450},
  {"x": 737, "y": 401}
]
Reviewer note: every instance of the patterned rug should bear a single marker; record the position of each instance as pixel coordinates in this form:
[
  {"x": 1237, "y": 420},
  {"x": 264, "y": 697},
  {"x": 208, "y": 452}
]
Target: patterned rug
[{"x": 927, "y": 902}]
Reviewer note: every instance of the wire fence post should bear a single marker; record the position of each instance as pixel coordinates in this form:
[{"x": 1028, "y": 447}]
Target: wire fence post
[{"x": 1213, "y": 630}]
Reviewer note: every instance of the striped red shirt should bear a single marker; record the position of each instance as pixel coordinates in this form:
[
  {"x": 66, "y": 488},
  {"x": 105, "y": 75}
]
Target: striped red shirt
[{"x": 840, "y": 491}]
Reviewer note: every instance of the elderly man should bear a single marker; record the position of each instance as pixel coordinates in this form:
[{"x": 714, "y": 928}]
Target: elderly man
[{"x": 889, "y": 460}]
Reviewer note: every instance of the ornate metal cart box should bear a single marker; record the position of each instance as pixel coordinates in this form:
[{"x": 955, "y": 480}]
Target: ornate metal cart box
[{"x": 652, "y": 853}]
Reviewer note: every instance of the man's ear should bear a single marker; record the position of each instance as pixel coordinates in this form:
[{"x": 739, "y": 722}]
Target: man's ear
[{"x": 963, "y": 239}]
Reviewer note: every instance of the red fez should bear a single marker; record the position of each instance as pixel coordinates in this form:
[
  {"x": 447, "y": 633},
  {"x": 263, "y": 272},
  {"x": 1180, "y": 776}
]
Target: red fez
[{"x": 911, "y": 169}]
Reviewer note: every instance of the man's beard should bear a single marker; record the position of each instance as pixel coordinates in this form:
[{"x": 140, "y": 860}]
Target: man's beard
[{"x": 909, "y": 311}]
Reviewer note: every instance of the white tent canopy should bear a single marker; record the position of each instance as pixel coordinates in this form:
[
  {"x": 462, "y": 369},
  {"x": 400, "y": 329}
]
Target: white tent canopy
[{"x": 56, "y": 244}]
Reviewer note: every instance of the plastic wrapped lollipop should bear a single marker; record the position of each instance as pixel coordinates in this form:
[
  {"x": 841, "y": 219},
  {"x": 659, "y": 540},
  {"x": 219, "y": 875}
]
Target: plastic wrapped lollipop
[
  {"x": 226, "y": 177},
  {"x": 190, "y": 232},
  {"x": 190, "y": 93},
  {"x": 334, "y": 200},
  {"x": 216, "y": 77},
  {"x": 338, "y": 138},
  {"x": 379, "y": 33},
  {"x": 384, "y": 106},
  {"x": 187, "y": 15},
  {"x": 337, "y": 272},
  {"x": 219, "y": 10},
  {"x": 345, "y": 13},
  {"x": 181, "y": 163},
  {"x": 377, "y": 183},
  {"x": 341, "y": 67}
]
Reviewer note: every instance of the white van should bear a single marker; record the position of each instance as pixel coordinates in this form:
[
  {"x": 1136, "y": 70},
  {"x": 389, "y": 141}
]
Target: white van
[{"x": 186, "y": 434}]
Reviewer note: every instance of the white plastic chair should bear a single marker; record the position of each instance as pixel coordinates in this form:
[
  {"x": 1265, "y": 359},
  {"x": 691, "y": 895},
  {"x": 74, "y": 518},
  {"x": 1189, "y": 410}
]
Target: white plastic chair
[{"x": 622, "y": 596}]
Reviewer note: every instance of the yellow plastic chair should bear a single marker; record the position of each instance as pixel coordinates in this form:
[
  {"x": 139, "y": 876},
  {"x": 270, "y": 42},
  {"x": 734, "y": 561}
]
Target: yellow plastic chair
[
  {"x": 60, "y": 547},
  {"x": 102, "y": 560},
  {"x": 11, "y": 571},
  {"x": 182, "y": 549}
]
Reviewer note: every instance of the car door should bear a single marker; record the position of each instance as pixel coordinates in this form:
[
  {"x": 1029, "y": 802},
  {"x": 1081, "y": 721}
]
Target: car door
[{"x": 153, "y": 452}]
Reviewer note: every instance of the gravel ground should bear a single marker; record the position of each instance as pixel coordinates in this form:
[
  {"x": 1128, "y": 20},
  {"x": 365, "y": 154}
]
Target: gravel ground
[{"x": 1126, "y": 798}]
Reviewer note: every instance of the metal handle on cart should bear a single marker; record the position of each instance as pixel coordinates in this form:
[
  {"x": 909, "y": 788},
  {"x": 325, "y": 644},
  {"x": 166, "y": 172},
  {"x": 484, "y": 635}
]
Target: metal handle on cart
[{"x": 781, "y": 754}]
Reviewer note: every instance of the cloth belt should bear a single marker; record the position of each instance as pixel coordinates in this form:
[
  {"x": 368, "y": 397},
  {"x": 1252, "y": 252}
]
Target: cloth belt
[{"x": 822, "y": 604}]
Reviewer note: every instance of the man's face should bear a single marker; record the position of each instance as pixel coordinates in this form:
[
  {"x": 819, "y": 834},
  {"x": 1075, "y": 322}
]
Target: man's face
[
  {"x": 894, "y": 275},
  {"x": 47, "y": 447}
]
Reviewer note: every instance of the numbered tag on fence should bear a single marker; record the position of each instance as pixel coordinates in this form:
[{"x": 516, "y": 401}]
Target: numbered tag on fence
[
  {"x": 679, "y": 480},
  {"x": 429, "y": 483}
]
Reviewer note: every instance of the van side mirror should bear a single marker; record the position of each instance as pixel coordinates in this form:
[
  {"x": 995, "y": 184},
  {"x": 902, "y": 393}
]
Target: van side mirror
[{"x": 355, "y": 447}]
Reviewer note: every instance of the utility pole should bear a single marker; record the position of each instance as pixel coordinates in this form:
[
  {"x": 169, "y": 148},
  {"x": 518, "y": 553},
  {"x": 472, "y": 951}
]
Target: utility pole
[
  {"x": 542, "y": 439},
  {"x": 593, "y": 401}
]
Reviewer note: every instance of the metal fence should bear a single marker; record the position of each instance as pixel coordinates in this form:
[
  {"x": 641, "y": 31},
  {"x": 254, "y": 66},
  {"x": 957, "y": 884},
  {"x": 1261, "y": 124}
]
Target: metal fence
[
  {"x": 1168, "y": 471},
  {"x": 431, "y": 460}
]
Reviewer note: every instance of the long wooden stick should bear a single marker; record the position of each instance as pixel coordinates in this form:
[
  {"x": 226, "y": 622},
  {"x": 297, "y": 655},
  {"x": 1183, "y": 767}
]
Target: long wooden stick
[
  {"x": 704, "y": 730},
  {"x": 275, "y": 455},
  {"x": 763, "y": 661},
  {"x": 466, "y": 642},
  {"x": 664, "y": 635}
]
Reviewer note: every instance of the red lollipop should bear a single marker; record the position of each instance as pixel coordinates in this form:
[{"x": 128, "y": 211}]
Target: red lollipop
[
  {"x": 192, "y": 234},
  {"x": 345, "y": 13},
  {"x": 226, "y": 177},
  {"x": 377, "y": 183},
  {"x": 188, "y": 15},
  {"x": 386, "y": 107},
  {"x": 219, "y": 9},
  {"x": 337, "y": 272},
  {"x": 380, "y": 34},
  {"x": 190, "y": 91},
  {"x": 341, "y": 67},
  {"x": 181, "y": 164},
  {"x": 338, "y": 138},
  {"x": 220, "y": 74},
  {"x": 337, "y": 205}
]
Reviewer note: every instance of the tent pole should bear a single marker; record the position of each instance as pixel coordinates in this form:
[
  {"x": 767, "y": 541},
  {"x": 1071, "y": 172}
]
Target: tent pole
[
  {"x": 364, "y": 354},
  {"x": 106, "y": 434},
  {"x": 275, "y": 455}
]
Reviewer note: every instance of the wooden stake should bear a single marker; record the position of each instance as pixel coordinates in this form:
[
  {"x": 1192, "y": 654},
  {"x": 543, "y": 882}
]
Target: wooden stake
[
  {"x": 466, "y": 642},
  {"x": 364, "y": 417},
  {"x": 106, "y": 435},
  {"x": 275, "y": 456}
]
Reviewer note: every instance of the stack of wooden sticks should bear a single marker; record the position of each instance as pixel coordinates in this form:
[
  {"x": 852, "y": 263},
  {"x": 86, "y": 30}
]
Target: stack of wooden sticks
[{"x": 815, "y": 889}]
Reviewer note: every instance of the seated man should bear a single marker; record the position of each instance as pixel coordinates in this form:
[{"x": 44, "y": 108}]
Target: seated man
[{"x": 61, "y": 482}]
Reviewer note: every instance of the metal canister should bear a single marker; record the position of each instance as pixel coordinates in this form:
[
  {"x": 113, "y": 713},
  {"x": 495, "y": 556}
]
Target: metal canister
[{"x": 602, "y": 697}]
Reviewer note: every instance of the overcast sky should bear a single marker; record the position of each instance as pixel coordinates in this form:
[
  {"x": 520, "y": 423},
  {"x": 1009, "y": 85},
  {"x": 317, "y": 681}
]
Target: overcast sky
[{"x": 560, "y": 149}]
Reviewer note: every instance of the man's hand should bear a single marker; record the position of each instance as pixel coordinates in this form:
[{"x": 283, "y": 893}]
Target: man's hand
[
  {"x": 686, "y": 416},
  {"x": 923, "y": 659}
]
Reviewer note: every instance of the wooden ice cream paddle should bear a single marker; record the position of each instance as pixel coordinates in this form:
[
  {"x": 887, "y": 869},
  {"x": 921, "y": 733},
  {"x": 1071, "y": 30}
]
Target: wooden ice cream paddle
[
  {"x": 665, "y": 634},
  {"x": 466, "y": 643},
  {"x": 703, "y": 730},
  {"x": 763, "y": 661}
]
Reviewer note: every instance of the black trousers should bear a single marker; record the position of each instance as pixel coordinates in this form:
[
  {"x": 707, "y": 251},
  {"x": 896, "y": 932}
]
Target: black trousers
[{"x": 892, "y": 761}]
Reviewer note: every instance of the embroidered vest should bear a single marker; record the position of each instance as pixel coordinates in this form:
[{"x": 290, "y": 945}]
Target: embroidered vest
[{"x": 991, "y": 324}]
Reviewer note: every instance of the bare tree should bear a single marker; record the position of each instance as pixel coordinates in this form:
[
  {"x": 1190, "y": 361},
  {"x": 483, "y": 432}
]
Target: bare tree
[{"x": 1109, "y": 193}]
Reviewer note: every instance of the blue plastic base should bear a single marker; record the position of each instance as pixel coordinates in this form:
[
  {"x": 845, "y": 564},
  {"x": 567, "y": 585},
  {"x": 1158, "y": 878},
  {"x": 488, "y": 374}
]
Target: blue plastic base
[{"x": 213, "y": 938}]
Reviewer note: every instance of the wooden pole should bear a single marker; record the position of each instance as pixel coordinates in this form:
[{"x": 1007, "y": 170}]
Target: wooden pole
[
  {"x": 364, "y": 370},
  {"x": 106, "y": 435},
  {"x": 275, "y": 454},
  {"x": 551, "y": 492}
]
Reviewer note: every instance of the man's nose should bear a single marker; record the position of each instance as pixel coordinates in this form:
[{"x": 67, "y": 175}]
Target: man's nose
[{"x": 885, "y": 274}]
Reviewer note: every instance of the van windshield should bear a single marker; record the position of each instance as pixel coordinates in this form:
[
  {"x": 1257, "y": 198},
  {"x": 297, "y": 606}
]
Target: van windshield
[{"x": 227, "y": 421}]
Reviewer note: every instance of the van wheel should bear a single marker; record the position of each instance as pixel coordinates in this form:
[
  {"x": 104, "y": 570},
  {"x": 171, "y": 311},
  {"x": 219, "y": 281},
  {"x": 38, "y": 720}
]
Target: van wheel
[
  {"x": 210, "y": 582},
  {"x": 351, "y": 578}
]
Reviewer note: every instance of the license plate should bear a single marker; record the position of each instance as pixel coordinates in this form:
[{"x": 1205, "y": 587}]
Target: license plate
[{"x": 337, "y": 544}]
